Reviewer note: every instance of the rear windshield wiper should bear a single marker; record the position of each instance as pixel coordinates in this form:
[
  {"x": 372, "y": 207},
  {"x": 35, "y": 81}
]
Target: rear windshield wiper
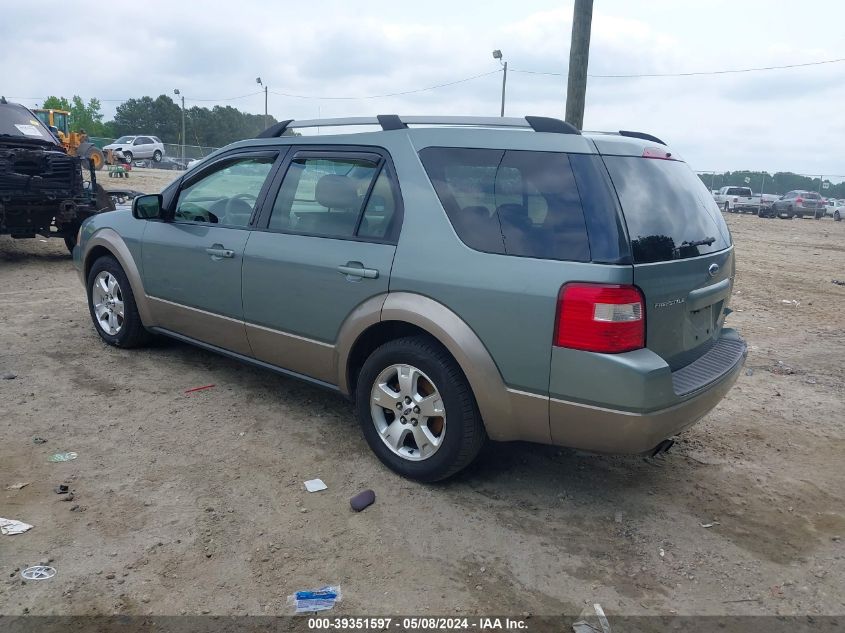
[{"x": 707, "y": 241}]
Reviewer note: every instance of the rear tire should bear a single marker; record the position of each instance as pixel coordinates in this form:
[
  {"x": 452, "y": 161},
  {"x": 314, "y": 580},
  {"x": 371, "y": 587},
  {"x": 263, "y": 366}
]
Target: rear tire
[
  {"x": 157, "y": 156},
  {"x": 95, "y": 155},
  {"x": 112, "y": 307},
  {"x": 380, "y": 391},
  {"x": 836, "y": 216}
]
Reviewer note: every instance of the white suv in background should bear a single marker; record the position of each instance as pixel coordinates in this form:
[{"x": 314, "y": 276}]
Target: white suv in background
[{"x": 135, "y": 147}]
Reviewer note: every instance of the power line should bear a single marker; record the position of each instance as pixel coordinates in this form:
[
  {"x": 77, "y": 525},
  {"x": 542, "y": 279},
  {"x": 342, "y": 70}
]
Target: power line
[
  {"x": 689, "y": 74},
  {"x": 487, "y": 74},
  {"x": 251, "y": 94},
  {"x": 299, "y": 96},
  {"x": 391, "y": 94}
]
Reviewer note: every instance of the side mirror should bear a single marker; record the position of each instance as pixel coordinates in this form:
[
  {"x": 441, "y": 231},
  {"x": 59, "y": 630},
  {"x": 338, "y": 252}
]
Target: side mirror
[{"x": 148, "y": 207}]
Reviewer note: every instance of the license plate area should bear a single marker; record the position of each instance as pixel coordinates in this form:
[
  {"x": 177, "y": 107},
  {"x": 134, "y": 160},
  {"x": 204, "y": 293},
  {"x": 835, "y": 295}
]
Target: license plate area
[{"x": 700, "y": 327}]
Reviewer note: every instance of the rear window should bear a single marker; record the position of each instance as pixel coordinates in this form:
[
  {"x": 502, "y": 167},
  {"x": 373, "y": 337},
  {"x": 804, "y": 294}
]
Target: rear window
[
  {"x": 739, "y": 191},
  {"x": 510, "y": 202},
  {"x": 669, "y": 212},
  {"x": 812, "y": 196}
]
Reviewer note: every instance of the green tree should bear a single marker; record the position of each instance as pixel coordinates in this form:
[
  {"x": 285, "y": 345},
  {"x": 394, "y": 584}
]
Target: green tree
[
  {"x": 158, "y": 117},
  {"x": 83, "y": 116}
]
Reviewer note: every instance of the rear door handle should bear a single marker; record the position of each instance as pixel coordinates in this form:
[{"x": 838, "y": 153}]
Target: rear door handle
[
  {"x": 356, "y": 269},
  {"x": 217, "y": 252}
]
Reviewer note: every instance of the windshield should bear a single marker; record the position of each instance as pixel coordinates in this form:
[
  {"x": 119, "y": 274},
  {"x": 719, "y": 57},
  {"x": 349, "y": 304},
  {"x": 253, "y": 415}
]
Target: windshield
[
  {"x": 17, "y": 121},
  {"x": 125, "y": 139},
  {"x": 669, "y": 212}
]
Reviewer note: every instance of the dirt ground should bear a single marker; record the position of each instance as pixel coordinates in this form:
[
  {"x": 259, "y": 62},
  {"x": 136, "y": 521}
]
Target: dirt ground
[
  {"x": 195, "y": 503},
  {"x": 140, "y": 179}
]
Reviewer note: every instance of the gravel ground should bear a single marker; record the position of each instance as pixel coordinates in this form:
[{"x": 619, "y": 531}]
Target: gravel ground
[{"x": 194, "y": 503}]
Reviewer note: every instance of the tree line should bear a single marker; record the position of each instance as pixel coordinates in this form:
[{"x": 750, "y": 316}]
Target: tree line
[
  {"x": 778, "y": 183},
  {"x": 162, "y": 117}
]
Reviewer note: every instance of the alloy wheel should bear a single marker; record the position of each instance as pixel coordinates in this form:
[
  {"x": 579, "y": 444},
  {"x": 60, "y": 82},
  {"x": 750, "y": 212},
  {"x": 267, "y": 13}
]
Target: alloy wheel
[
  {"x": 408, "y": 412},
  {"x": 107, "y": 299}
]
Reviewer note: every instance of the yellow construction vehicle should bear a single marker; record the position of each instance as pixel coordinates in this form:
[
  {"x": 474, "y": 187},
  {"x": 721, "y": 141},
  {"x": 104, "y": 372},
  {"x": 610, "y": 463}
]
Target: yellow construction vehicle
[{"x": 75, "y": 143}]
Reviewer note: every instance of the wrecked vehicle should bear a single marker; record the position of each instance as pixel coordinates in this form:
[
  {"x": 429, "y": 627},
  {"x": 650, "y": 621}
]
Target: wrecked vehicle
[{"x": 42, "y": 189}]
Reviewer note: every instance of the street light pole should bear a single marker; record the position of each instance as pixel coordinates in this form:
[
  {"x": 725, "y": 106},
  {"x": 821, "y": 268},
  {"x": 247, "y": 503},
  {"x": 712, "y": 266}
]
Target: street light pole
[
  {"x": 258, "y": 81},
  {"x": 176, "y": 92},
  {"x": 579, "y": 57},
  {"x": 497, "y": 54}
]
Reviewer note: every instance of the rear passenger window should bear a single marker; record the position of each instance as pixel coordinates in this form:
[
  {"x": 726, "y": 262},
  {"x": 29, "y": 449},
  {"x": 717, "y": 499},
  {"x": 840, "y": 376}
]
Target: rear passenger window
[
  {"x": 380, "y": 214},
  {"x": 324, "y": 196},
  {"x": 510, "y": 202}
]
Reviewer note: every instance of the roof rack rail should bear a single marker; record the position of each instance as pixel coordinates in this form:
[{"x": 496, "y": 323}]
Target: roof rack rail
[
  {"x": 395, "y": 122},
  {"x": 642, "y": 135}
]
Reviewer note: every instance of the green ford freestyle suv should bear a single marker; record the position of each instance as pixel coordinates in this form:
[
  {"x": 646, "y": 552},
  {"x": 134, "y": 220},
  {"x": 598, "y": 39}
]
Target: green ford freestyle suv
[{"x": 461, "y": 279}]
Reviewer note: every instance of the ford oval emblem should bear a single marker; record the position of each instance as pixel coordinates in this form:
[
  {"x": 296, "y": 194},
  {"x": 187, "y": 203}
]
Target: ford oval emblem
[{"x": 713, "y": 270}]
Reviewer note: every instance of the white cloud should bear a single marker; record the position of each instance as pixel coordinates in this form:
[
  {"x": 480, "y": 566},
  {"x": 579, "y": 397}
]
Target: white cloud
[{"x": 787, "y": 119}]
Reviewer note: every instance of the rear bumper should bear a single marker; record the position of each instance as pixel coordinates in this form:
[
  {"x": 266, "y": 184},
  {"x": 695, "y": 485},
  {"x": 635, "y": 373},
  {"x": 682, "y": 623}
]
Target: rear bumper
[{"x": 611, "y": 430}]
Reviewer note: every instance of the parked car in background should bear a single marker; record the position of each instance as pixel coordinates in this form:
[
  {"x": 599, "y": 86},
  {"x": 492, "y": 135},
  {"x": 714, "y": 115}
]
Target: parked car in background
[
  {"x": 456, "y": 283},
  {"x": 797, "y": 204},
  {"x": 134, "y": 147},
  {"x": 737, "y": 200},
  {"x": 835, "y": 209}
]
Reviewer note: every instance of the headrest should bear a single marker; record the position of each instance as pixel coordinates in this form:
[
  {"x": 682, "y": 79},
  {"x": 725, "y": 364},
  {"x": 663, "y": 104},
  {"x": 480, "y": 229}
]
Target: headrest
[{"x": 336, "y": 192}]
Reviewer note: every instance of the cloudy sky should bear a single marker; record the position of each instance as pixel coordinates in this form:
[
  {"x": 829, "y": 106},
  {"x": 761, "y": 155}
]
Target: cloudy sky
[{"x": 212, "y": 51}]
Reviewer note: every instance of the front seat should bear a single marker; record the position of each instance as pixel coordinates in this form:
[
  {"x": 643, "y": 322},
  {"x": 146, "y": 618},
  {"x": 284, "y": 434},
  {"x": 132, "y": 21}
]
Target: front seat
[{"x": 339, "y": 196}]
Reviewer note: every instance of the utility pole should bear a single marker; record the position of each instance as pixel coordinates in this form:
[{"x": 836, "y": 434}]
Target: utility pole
[
  {"x": 497, "y": 54},
  {"x": 258, "y": 81},
  {"x": 176, "y": 92},
  {"x": 579, "y": 57}
]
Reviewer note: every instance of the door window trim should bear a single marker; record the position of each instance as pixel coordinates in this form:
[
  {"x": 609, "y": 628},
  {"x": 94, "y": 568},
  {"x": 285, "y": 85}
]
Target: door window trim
[
  {"x": 337, "y": 152},
  {"x": 277, "y": 154}
]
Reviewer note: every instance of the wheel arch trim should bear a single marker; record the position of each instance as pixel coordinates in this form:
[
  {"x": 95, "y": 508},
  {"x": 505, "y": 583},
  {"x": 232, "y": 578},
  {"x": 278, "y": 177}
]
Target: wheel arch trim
[
  {"x": 112, "y": 242},
  {"x": 496, "y": 402}
]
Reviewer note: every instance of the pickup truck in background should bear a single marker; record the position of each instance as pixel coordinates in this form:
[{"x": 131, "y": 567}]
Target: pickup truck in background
[{"x": 737, "y": 200}]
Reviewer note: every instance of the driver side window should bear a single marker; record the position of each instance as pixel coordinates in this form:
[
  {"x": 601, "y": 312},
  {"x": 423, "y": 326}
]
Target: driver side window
[{"x": 226, "y": 196}]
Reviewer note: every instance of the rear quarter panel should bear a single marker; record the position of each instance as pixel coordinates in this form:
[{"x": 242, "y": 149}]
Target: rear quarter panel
[{"x": 509, "y": 302}]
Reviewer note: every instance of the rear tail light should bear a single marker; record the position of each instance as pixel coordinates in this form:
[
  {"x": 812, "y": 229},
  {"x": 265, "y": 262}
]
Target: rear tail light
[
  {"x": 799, "y": 200},
  {"x": 600, "y": 318}
]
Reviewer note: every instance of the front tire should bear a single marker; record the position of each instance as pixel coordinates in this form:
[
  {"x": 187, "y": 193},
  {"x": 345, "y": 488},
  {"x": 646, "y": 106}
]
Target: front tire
[
  {"x": 836, "y": 216},
  {"x": 417, "y": 410},
  {"x": 111, "y": 305},
  {"x": 127, "y": 156}
]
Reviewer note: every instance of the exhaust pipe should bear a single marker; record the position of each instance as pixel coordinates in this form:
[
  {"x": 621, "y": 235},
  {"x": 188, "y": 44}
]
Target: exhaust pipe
[{"x": 663, "y": 447}]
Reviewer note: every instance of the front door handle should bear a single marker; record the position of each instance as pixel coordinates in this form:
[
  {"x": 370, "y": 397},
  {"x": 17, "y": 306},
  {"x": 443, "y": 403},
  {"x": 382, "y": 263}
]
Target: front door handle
[
  {"x": 217, "y": 252},
  {"x": 356, "y": 269}
]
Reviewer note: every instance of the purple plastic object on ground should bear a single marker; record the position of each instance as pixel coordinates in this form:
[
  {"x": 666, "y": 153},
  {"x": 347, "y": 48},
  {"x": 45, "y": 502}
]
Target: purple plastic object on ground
[{"x": 362, "y": 500}]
